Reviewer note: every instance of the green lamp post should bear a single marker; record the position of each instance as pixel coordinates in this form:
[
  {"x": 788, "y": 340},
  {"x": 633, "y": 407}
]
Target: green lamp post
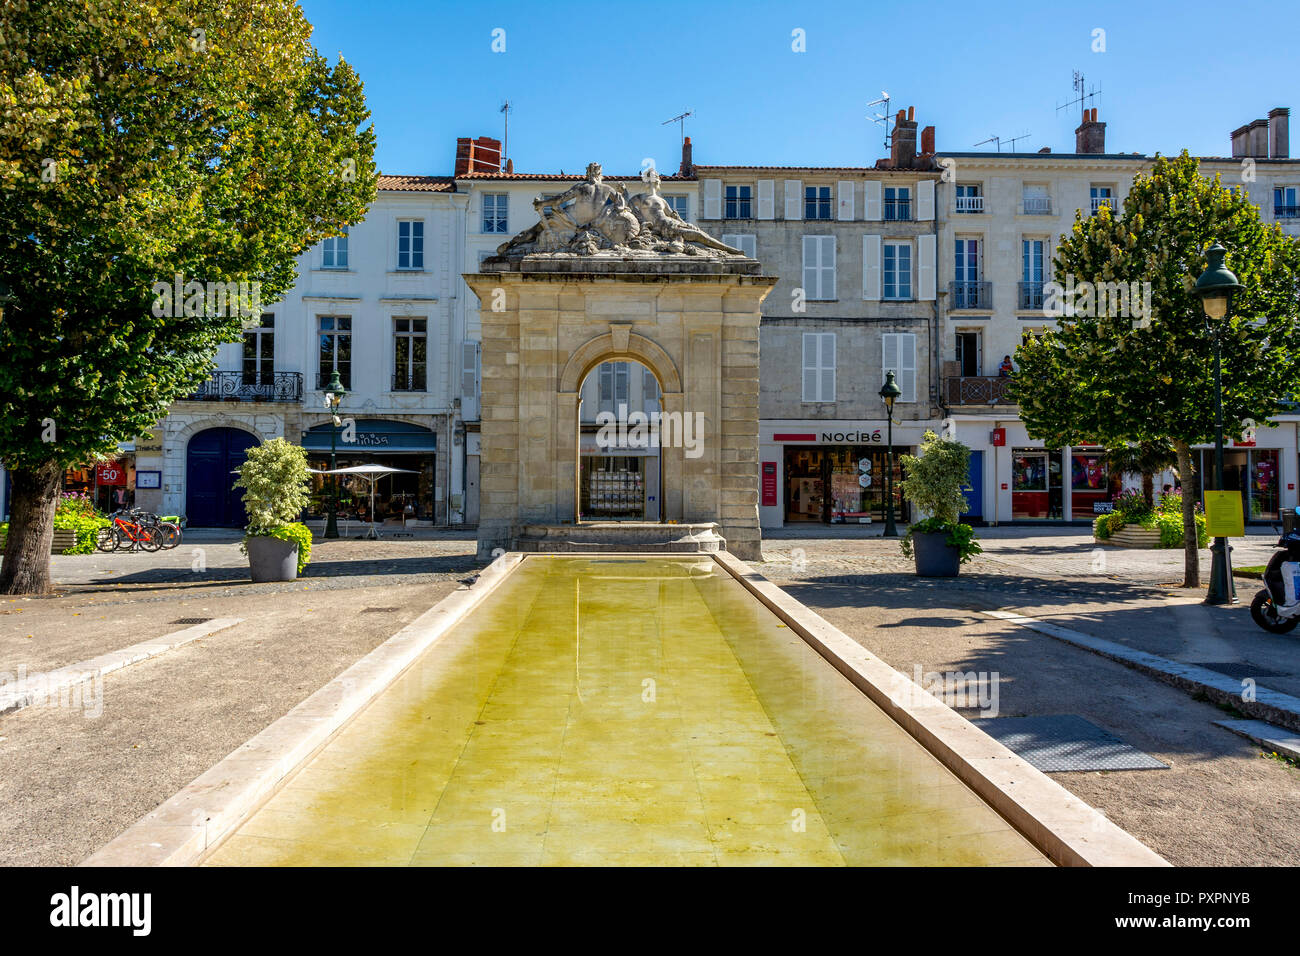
[
  {"x": 334, "y": 394},
  {"x": 890, "y": 393},
  {"x": 1216, "y": 286}
]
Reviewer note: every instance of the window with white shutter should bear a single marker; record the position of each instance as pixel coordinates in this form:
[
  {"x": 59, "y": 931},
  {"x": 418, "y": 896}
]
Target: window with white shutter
[
  {"x": 819, "y": 267},
  {"x": 712, "y": 199},
  {"x": 898, "y": 354},
  {"x": 871, "y": 268},
  {"x": 925, "y": 268},
  {"x": 819, "y": 366},
  {"x": 469, "y": 380},
  {"x": 871, "y": 202},
  {"x": 745, "y": 243},
  {"x": 793, "y": 199},
  {"x": 844, "y": 192},
  {"x": 925, "y": 200},
  {"x": 767, "y": 199}
]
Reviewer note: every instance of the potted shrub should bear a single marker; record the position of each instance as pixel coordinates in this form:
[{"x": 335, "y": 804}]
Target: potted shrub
[
  {"x": 275, "y": 483},
  {"x": 940, "y": 542}
]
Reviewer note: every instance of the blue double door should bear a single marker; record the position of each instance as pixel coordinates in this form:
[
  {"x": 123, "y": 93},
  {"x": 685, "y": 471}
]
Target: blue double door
[
  {"x": 974, "y": 491},
  {"x": 212, "y": 456}
]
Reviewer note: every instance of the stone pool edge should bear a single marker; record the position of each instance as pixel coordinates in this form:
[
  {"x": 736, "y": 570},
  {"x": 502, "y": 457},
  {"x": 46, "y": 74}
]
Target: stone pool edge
[
  {"x": 191, "y": 823},
  {"x": 1067, "y": 830}
]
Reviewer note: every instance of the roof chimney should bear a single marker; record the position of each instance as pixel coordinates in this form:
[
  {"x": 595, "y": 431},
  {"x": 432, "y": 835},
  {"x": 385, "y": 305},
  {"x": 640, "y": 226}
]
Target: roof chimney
[
  {"x": 1240, "y": 141},
  {"x": 1279, "y": 143},
  {"x": 1090, "y": 136},
  {"x": 902, "y": 151},
  {"x": 1258, "y": 138},
  {"x": 482, "y": 155},
  {"x": 927, "y": 141},
  {"x": 687, "y": 167}
]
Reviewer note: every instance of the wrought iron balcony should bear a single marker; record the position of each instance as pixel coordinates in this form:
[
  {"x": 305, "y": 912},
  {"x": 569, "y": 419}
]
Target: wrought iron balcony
[
  {"x": 970, "y": 295},
  {"x": 1031, "y": 296},
  {"x": 1286, "y": 212},
  {"x": 898, "y": 210},
  {"x": 1037, "y": 206},
  {"x": 409, "y": 381},
  {"x": 1099, "y": 201},
  {"x": 970, "y": 203},
  {"x": 979, "y": 390},
  {"x": 238, "y": 387}
]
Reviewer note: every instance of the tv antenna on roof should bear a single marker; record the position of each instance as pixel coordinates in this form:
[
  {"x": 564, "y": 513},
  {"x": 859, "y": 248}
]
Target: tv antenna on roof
[
  {"x": 999, "y": 140},
  {"x": 882, "y": 119},
  {"x": 680, "y": 119},
  {"x": 1079, "y": 88},
  {"x": 505, "y": 138}
]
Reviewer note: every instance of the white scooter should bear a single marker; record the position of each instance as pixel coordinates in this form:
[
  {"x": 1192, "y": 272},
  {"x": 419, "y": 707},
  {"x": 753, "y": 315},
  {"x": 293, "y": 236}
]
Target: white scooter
[{"x": 1277, "y": 607}]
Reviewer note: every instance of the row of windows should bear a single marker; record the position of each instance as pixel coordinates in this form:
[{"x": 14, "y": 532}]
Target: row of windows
[
  {"x": 898, "y": 355},
  {"x": 410, "y": 247},
  {"x": 819, "y": 273},
  {"x": 817, "y": 204},
  {"x": 410, "y": 352},
  {"x": 1035, "y": 198}
]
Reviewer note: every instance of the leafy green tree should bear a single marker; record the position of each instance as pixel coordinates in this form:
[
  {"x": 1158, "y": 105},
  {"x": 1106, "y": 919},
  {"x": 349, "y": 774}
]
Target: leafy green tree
[
  {"x": 1115, "y": 379},
  {"x": 205, "y": 139}
]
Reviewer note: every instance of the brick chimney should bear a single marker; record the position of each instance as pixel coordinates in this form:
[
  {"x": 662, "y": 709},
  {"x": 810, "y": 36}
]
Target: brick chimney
[
  {"x": 927, "y": 141},
  {"x": 1090, "y": 136},
  {"x": 902, "y": 151},
  {"x": 482, "y": 155},
  {"x": 687, "y": 167},
  {"x": 1279, "y": 143}
]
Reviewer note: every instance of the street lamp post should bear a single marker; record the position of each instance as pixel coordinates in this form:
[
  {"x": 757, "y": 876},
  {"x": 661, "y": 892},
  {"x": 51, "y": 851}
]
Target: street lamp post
[
  {"x": 889, "y": 393},
  {"x": 334, "y": 393},
  {"x": 1216, "y": 287}
]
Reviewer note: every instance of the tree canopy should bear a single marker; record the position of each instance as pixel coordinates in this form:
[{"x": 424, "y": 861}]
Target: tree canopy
[{"x": 139, "y": 142}]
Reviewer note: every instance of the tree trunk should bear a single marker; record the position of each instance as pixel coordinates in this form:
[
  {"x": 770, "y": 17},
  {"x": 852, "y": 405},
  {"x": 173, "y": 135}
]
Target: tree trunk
[
  {"x": 1149, "y": 488},
  {"x": 26, "y": 567},
  {"x": 1191, "y": 549}
]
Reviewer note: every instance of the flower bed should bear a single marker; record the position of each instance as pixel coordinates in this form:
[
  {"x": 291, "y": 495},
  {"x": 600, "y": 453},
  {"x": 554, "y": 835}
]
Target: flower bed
[{"x": 1135, "y": 524}]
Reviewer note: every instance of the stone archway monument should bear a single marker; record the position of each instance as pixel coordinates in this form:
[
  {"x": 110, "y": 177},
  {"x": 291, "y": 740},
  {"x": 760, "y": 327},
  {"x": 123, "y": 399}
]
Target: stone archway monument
[{"x": 607, "y": 276}]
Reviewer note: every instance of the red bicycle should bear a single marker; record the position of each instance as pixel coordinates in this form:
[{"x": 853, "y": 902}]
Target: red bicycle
[{"x": 128, "y": 535}]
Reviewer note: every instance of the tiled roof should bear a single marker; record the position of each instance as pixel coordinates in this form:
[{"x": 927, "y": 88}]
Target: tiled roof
[
  {"x": 565, "y": 177},
  {"x": 417, "y": 184}
]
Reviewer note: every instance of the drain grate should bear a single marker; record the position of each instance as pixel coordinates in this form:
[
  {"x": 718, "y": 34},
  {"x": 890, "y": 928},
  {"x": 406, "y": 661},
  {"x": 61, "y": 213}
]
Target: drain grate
[
  {"x": 1056, "y": 743},
  {"x": 379, "y": 610},
  {"x": 192, "y": 620},
  {"x": 1239, "y": 669}
]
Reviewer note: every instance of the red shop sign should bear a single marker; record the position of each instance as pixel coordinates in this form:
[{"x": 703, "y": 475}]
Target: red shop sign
[
  {"x": 998, "y": 437},
  {"x": 769, "y": 484},
  {"x": 110, "y": 473}
]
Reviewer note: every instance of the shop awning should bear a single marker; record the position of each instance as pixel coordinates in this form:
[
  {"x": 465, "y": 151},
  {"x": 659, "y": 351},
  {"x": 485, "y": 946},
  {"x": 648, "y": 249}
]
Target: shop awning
[{"x": 374, "y": 436}]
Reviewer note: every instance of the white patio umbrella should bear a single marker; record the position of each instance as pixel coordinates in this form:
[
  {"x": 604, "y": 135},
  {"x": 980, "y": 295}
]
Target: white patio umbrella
[{"x": 371, "y": 473}]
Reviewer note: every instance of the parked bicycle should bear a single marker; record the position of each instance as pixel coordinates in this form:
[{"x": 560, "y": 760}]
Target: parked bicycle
[
  {"x": 169, "y": 526},
  {"x": 129, "y": 532}
]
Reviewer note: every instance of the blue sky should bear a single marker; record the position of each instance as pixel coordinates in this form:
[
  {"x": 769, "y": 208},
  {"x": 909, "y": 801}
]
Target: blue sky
[{"x": 595, "y": 81}]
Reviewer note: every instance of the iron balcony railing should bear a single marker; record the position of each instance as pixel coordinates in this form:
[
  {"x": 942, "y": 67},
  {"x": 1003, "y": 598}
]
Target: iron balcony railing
[
  {"x": 1037, "y": 206},
  {"x": 1099, "y": 201},
  {"x": 898, "y": 210},
  {"x": 1286, "y": 212},
  {"x": 970, "y": 295},
  {"x": 970, "y": 203},
  {"x": 979, "y": 390},
  {"x": 409, "y": 381},
  {"x": 1031, "y": 295},
  {"x": 238, "y": 387}
]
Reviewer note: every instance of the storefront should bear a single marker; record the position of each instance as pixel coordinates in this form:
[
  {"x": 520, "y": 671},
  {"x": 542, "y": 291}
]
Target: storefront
[
  {"x": 618, "y": 483},
  {"x": 1255, "y": 472},
  {"x": 109, "y": 484},
  {"x": 1040, "y": 481},
  {"x": 832, "y": 472},
  {"x": 395, "y": 444}
]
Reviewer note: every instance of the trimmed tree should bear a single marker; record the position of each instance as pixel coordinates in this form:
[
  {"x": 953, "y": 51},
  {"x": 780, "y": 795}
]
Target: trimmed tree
[
  {"x": 185, "y": 141},
  {"x": 1116, "y": 373}
]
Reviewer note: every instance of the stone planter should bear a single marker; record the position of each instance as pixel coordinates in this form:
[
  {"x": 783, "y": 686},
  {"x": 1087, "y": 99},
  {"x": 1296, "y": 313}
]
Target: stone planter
[
  {"x": 63, "y": 540},
  {"x": 271, "y": 559},
  {"x": 934, "y": 557},
  {"x": 1131, "y": 536}
]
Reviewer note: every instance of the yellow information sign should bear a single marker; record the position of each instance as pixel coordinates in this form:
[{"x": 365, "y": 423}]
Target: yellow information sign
[{"x": 1223, "y": 515}]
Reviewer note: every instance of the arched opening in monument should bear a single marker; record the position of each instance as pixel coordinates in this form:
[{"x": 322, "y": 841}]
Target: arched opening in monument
[{"x": 620, "y": 461}]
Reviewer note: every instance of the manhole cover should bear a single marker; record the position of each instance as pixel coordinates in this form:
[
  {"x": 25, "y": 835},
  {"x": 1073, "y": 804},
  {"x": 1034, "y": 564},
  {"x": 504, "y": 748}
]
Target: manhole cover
[
  {"x": 1060, "y": 742},
  {"x": 192, "y": 620},
  {"x": 1238, "y": 669}
]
